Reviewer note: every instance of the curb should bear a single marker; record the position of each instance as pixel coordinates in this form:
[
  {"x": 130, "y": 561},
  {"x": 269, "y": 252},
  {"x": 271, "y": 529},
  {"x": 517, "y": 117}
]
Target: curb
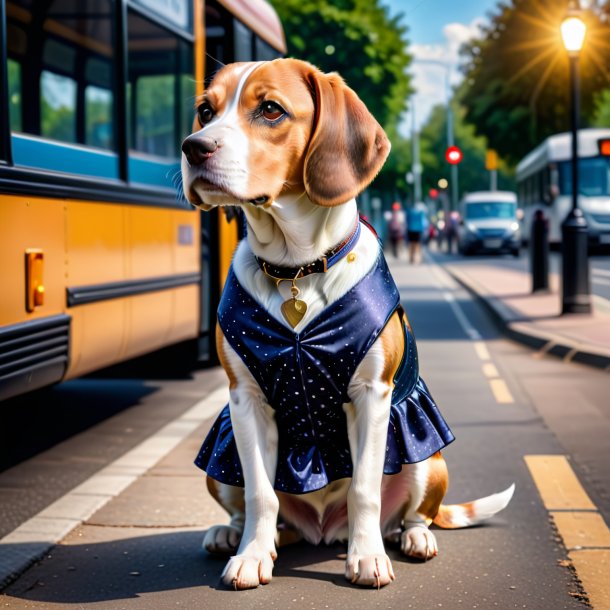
[{"x": 522, "y": 331}]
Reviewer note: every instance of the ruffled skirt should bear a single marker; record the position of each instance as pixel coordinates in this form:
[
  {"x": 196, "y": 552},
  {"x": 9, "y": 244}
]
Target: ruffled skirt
[{"x": 416, "y": 431}]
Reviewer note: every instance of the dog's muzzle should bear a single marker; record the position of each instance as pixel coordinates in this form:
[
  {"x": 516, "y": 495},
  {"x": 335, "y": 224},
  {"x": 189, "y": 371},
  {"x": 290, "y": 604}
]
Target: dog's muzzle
[{"x": 197, "y": 149}]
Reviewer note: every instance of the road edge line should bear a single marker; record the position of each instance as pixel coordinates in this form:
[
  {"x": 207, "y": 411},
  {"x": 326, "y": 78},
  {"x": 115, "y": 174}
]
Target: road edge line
[{"x": 584, "y": 533}]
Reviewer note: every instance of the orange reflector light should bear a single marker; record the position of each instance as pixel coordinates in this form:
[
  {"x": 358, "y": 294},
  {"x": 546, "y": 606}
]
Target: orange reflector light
[{"x": 604, "y": 147}]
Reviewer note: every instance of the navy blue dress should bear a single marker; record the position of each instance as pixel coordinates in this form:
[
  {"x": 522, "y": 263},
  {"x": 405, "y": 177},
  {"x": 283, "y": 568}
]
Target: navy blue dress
[{"x": 305, "y": 377}]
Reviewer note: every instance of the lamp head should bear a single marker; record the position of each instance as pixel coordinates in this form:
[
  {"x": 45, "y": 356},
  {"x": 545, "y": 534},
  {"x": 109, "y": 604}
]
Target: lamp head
[{"x": 573, "y": 29}]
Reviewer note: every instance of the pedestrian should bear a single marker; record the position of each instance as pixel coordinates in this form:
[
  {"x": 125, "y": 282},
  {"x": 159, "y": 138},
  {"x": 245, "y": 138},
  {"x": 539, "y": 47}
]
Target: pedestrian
[
  {"x": 396, "y": 227},
  {"x": 417, "y": 223},
  {"x": 451, "y": 229}
]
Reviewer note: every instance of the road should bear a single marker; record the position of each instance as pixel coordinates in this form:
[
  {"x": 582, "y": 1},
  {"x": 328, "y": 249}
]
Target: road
[{"x": 140, "y": 549}]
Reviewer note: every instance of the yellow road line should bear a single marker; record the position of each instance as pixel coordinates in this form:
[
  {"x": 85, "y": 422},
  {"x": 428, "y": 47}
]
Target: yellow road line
[
  {"x": 583, "y": 530},
  {"x": 481, "y": 349},
  {"x": 558, "y": 485},
  {"x": 490, "y": 370},
  {"x": 592, "y": 568},
  {"x": 500, "y": 391}
]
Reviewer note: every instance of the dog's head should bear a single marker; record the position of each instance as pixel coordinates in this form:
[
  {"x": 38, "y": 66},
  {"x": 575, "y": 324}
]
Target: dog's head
[{"x": 268, "y": 129}]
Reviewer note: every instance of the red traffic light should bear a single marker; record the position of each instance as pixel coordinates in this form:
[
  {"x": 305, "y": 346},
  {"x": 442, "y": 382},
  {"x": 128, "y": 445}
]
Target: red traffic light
[
  {"x": 453, "y": 155},
  {"x": 433, "y": 193}
]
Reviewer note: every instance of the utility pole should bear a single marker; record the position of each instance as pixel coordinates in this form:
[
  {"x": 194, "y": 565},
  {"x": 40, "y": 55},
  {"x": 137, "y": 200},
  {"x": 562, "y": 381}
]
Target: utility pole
[{"x": 416, "y": 167}]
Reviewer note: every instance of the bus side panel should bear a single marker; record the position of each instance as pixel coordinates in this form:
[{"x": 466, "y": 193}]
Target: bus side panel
[
  {"x": 149, "y": 255},
  {"x": 108, "y": 244},
  {"x": 29, "y": 223},
  {"x": 95, "y": 243},
  {"x": 187, "y": 259},
  {"x": 185, "y": 322},
  {"x": 162, "y": 242},
  {"x": 187, "y": 241},
  {"x": 228, "y": 239},
  {"x": 98, "y": 336},
  {"x": 95, "y": 254}
]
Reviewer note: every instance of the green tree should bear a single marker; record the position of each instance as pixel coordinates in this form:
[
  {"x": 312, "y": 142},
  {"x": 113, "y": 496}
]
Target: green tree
[
  {"x": 472, "y": 173},
  {"x": 517, "y": 87},
  {"x": 358, "y": 39},
  {"x": 601, "y": 117}
]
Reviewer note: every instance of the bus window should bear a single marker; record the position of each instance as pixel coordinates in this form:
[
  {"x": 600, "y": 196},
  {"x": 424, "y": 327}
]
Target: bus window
[
  {"x": 57, "y": 107},
  {"x": 14, "y": 94},
  {"x": 243, "y": 42},
  {"x": 264, "y": 51},
  {"x": 593, "y": 180},
  {"x": 218, "y": 37},
  {"x": 65, "y": 47},
  {"x": 160, "y": 97},
  {"x": 98, "y": 117}
]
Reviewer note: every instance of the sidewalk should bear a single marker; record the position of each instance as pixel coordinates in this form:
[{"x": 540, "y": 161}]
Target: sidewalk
[{"x": 535, "y": 319}]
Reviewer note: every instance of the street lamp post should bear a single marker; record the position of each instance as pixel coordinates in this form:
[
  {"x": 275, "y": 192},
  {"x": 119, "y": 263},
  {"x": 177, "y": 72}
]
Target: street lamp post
[
  {"x": 576, "y": 297},
  {"x": 450, "y": 128}
]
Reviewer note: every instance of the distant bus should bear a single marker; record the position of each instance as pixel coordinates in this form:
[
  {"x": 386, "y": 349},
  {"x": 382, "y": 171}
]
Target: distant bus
[
  {"x": 544, "y": 181},
  {"x": 101, "y": 260}
]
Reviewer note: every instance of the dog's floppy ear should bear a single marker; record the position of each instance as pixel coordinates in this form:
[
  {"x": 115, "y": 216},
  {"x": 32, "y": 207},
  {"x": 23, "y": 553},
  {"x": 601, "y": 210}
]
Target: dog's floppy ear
[{"x": 348, "y": 146}]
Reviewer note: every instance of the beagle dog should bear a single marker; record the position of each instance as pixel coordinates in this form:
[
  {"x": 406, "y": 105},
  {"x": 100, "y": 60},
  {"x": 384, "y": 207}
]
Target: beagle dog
[{"x": 330, "y": 434}]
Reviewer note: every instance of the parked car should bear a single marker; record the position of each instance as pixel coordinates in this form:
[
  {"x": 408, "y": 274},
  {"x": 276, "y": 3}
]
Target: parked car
[{"x": 489, "y": 223}]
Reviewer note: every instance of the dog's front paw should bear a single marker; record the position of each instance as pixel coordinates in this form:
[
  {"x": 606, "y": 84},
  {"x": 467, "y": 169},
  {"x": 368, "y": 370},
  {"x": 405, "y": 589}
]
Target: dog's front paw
[
  {"x": 419, "y": 542},
  {"x": 369, "y": 570},
  {"x": 222, "y": 539},
  {"x": 248, "y": 570}
]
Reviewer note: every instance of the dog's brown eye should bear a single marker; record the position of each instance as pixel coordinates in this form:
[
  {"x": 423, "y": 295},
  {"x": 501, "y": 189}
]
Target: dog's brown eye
[
  {"x": 205, "y": 113},
  {"x": 272, "y": 111}
]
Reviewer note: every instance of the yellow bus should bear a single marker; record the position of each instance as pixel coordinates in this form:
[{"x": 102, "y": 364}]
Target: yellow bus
[{"x": 101, "y": 259}]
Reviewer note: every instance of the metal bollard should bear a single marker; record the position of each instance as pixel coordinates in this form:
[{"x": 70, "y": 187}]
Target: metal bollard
[{"x": 539, "y": 252}]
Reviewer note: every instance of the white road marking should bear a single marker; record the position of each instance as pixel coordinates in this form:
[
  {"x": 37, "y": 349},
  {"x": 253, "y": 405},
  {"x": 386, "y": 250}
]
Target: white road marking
[
  {"x": 37, "y": 535},
  {"x": 470, "y": 330},
  {"x": 498, "y": 386},
  {"x": 500, "y": 391}
]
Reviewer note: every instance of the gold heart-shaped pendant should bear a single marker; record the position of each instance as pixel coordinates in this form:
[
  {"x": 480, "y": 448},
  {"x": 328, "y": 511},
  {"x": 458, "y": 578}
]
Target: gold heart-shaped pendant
[{"x": 294, "y": 310}]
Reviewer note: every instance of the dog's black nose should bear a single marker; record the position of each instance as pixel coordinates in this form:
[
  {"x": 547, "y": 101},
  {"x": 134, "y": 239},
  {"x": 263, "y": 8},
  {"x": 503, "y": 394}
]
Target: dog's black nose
[{"x": 198, "y": 148}]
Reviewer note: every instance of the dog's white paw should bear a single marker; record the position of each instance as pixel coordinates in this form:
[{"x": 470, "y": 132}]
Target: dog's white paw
[
  {"x": 223, "y": 539},
  {"x": 369, "y": 570},
  {"x": 419, "y": 542},
  {"x": 248, "y": 571}
]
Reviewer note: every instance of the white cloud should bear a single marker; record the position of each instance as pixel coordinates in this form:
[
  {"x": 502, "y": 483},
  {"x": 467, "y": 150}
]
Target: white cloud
[{"x": 432, "y": 64}]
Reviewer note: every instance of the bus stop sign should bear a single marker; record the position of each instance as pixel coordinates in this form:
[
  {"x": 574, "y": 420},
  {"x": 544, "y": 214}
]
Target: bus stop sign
[{"x": 453, "y": 155}]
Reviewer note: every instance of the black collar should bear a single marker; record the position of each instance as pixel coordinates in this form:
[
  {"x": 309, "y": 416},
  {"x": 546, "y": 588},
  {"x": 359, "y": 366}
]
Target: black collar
[{"x": 321, "y": 265}]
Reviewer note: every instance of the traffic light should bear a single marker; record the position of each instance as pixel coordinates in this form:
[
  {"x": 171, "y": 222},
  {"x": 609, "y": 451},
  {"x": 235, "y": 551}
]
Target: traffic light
[
  {"x": 453, "y": 155},
  {"x": 604, "y": 147},
  {"x": 491, "y": 160}
]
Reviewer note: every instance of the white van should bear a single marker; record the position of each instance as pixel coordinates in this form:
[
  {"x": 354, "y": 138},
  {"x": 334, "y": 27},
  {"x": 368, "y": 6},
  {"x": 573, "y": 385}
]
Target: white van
[{"x": 489, "y": 223}]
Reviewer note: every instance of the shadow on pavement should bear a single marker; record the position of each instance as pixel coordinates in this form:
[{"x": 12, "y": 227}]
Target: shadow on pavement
[
  {"x": 39, "y": 420},
  {"x": 130, "y": 567}
]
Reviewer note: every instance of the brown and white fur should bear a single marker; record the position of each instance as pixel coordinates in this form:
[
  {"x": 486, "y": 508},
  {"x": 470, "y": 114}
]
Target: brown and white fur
[{"x": 293, "y": 147}]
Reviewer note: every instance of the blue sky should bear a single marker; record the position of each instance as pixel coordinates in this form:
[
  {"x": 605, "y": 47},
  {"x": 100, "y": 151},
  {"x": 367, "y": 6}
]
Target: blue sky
[{"x": 437, "y": 28}]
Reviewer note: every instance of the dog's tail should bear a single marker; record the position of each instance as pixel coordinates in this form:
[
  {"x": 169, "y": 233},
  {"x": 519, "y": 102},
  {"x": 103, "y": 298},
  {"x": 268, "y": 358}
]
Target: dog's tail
[{"x": 472, "y": 513}]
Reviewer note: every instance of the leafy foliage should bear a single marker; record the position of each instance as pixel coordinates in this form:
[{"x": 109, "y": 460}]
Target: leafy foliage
[
  {"x": 358, "y": 39},
  {"x": 517, "y": 74}
]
